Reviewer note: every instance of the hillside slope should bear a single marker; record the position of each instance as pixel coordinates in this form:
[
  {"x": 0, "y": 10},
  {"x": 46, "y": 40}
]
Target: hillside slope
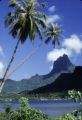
[
  {"x": 65, "y": 81},
  {"x": 61, "y": 65}
]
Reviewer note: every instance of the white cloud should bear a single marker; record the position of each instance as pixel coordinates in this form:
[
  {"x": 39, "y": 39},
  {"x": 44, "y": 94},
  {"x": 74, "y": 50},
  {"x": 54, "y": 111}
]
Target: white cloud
[
  {"x": 52, "y": 9},
  {"x": 1, "y": 69},
  {"x": 1, "y": 51},
  {"x": 1, "y": 63},
  {"x": 56, "y": 53},
  {"x": 74, "y": 43},
  {"x": 72, "y": 47},
  {"x": 52, "y": 19}
]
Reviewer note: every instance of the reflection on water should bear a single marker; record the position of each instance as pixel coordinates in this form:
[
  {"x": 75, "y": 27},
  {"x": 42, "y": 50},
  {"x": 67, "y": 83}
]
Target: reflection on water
[{"x": 52, "y": 107}]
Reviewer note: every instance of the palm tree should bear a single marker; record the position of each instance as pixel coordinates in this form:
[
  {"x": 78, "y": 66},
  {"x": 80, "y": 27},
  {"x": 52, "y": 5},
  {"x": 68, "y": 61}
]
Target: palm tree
[
  {"x": 24, "y": 21},
  {"x": 52, "y": 32}
]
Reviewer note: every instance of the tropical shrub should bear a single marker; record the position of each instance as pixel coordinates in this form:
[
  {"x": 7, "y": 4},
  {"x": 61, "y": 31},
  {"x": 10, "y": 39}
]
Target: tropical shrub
[
  {"x": 7, "y": 108},
  {"x": 3, "y": 116},
  {"x": 24, "y": 112},
  {"x": 76, "y": 96}
]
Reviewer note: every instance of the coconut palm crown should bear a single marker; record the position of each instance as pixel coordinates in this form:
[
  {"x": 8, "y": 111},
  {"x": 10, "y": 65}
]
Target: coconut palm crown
[
  {"x": 25, "y": 20},
  {"x": 53, "y": 32}
]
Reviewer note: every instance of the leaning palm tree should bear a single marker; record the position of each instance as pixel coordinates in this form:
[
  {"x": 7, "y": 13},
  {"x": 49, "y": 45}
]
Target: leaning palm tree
[
  {"x": 24, "y": 21},
  {"x": 52, "y": 34}
]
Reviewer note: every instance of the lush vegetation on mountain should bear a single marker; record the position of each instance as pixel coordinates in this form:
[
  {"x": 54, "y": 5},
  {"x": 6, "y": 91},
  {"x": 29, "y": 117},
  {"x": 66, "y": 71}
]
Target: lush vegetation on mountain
[
  {"x": 62, "y": 65},
  {"x": 65, "y": 82}
]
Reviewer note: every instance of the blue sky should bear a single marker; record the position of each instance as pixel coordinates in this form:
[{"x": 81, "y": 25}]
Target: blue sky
[{"x": 68, "y": 13}]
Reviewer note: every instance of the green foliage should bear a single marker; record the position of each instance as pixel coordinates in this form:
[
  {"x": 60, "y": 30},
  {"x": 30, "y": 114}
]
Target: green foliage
[
  {"x": 12, "y": 3},
  {"x": 3, "y": 116},
  {"x": 52, "y": 33},
  {"x": 76, "y": 114},
  {"x": 75, "y": 95},
  {"x": 25, "y": 20},
  {"x": 24, "y": 112},
  {"x": 67, "y": 117},
  {"x": 7, "y": 108},
  {"x": 28, "y": 113}
]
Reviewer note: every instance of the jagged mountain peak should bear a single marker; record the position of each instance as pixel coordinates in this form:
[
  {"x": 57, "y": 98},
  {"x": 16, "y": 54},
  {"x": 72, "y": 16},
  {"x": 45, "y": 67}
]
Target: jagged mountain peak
[
  {"x": 63, "y": 60},
  {"x": 63, "y": 63}
]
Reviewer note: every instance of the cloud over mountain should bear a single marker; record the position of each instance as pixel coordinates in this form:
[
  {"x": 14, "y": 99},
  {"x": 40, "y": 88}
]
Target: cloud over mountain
[
  {"x": 73, "y": 43},
  {"x": 71, "y": 46}
]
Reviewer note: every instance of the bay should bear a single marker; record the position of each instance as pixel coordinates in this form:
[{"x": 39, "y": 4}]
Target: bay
[{"x": 50, "y": 107}]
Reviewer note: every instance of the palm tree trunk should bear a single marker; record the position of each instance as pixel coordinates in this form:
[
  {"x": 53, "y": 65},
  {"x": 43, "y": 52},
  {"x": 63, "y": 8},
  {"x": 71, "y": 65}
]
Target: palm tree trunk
[
  {"x": 1, "y": 86},
  {"x": 9, "y": 65},
  {"x": 21, "y": 63},
  {"x": 25, "y": 59}
]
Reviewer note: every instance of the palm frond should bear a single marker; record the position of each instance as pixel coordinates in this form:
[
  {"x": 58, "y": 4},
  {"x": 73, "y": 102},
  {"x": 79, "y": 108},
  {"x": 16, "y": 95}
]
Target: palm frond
[
  {"x": 24, "y": 31},
  {"x": 9, "y": 20},
  {"x": 40, "y": 22},
  {"x": 48, "y": 40},
  {"x": 53, "y": 32},
  {"x": 15, "y": 28},
  {"x": 44, "y": 4},
  {"x": 15, "y": 3},
  {"x": 26, "y": 20},
  {"x": 38, "y": 30},
  {"x": 45, "y": 17},
  {"x": 31, "y": 32},
  {"x": 31, "y": 24}
]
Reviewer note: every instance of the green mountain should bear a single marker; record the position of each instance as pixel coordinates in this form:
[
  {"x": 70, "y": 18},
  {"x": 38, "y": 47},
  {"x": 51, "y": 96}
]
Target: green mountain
[
  {"x": 66, "y": 81},
  {"x": 61, "y": 65}
]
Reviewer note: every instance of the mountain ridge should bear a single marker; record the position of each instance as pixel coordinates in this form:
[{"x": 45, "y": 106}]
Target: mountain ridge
[
  {"x": 61, "y": 65},
  {"x": 65, "y": 82}
]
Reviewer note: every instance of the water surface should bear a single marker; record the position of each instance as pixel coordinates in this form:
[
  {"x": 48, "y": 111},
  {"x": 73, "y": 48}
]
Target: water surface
[{"x": 50, "y": 107}]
